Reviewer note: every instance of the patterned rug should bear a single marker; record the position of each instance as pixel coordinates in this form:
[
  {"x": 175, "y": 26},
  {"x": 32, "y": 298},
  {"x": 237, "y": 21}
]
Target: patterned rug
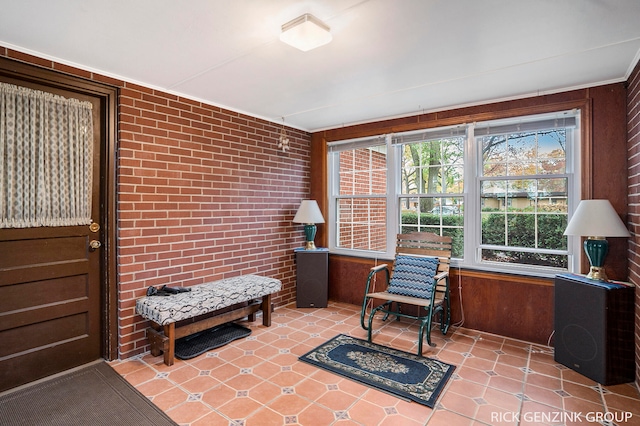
[{"x": 406, "y": 375}]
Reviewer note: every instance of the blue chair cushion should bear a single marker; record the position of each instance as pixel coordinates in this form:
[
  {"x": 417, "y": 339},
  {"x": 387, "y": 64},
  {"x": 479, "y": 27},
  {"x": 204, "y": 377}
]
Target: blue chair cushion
[{"x": 413, "y": 276}]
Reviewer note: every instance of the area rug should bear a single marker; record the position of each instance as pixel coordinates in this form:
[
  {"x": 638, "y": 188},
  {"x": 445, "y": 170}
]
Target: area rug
[
  {"x": 400, "y": 373},
  {"x": 195, "y": 344},
  {"x": 93, "y": 395}
]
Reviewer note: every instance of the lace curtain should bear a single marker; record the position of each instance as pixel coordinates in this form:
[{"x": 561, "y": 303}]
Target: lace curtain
[{"x": 46, "y": 159}]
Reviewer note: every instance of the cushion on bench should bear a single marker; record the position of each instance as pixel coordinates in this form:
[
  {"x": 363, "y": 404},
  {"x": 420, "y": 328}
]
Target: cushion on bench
[{"x": 205, "y": 298}]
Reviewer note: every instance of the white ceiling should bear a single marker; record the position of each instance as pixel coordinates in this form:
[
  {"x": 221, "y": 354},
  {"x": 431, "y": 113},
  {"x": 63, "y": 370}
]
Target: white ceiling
[{"x": 388, "y": 58}]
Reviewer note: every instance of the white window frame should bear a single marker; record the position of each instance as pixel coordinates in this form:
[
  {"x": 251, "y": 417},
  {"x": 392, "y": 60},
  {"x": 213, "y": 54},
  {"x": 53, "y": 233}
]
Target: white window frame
[{"x": 471, "y": 198}]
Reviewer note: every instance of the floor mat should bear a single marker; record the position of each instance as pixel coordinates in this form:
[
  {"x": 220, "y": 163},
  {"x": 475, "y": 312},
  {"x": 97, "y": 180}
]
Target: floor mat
[
  {"x": 93, "y": 395},
  {"x": 191, "y": 346}
]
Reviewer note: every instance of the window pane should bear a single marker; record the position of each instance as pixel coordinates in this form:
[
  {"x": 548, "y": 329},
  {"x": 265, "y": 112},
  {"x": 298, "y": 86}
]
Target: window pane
[
  {"x": 526, "y": 258},
  {"x": 438, "y": 215},
  {"x": 552, "y": 152},
  {"x": 551, "y": 231},
  {"x": 363, "y": 171},
  {"x": 521, "y": 231},
  {"x": 433, "y": 167},
  {"x": 493, "y": 195},
  {"x": 362, "y": 223},
  {"x": 524, "y": 154},
  {"x": 494, "y": 229},
  {"x": 494, "y": 155}
]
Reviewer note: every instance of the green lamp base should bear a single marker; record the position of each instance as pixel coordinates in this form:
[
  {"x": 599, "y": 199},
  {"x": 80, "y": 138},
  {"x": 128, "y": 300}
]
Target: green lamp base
[
  {"x": 310, "y": 234},
  {"x": 596, "y": 249}
]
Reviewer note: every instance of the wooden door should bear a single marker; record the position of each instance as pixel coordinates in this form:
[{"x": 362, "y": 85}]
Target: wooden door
[{"x": 53, "y": 291}]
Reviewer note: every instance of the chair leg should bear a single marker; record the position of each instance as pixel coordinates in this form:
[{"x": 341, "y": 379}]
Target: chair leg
[
  {"x": 371, "y": 316},
  {"x": 363, "y": 313},
  {"x": 444, "y": 324}
]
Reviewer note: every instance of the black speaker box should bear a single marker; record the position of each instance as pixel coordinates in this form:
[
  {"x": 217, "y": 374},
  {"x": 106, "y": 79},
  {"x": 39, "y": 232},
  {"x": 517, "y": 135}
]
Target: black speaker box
[
  {"x": 594, "y": 322},
  {"x": 312, "y": 278}
]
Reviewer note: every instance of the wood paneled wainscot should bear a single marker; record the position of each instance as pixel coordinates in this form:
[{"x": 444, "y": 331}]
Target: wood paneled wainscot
[{"x": 515, "y": 306}]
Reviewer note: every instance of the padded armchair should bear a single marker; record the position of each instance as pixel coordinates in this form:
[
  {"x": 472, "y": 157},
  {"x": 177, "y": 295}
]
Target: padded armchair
[{"x": 420, "y": 277}]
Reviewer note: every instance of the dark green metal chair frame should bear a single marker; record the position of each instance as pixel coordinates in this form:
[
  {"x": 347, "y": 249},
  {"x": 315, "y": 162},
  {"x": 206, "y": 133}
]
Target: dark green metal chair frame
[{"x": 413, "y": 244}]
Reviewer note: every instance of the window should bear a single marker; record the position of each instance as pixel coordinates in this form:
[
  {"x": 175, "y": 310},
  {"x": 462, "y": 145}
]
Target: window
[
  {"x": 360, "y": 195},
  {"x": 432, "y": 184},
  {"x": 503, "y": 190},
  {"x": 524, "y": 192}
]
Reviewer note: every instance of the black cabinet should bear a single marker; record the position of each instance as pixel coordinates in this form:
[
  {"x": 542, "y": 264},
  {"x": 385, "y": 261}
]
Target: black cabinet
[
  {"x": 312, "y": 279},
  {"x": 594, "y": 323}
]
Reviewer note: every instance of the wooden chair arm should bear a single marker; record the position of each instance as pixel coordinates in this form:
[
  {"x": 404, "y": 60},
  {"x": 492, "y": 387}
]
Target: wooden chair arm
[
  {"x": 379, "y": 268},
  {"x": 441, "y": 275}
]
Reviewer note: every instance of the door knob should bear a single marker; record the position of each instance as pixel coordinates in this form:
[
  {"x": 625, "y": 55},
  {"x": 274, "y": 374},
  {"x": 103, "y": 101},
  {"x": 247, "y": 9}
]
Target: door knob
[{"x": 94, "y": 245}]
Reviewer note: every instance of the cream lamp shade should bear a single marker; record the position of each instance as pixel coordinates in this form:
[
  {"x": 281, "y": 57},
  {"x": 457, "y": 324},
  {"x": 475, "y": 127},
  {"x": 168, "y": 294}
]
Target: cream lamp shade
[
  {"x": 596, "y": 219},
  {"x": 309, "y": 213}
]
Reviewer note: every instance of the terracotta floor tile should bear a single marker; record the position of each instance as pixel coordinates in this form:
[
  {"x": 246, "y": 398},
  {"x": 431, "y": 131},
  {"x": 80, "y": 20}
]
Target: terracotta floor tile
[
  {"x": 412, "y": 410},
  {"x": 207, "y": 362},
  {"x": 183, "y": 374},
  {"x": 366, "y": 413},
  {"x": 155, "y": 387},
  {"x": 542, "y": 395},
  {"x": 504, "y": 400},
  {"x": 127, "y": 367},
  {"x": 289, "y": 404},
  {"x": 542, "y": 380},
  {"x": 200, "y": 384},
  {"x": 336, "y": 400},
  {"x": 226, "y": 371},
  {"x": 628, "y": 389},
  {"x": 515, "y": 373},
  {"x": 578, "y": 405},
  {"x": 543, "y": 368},
  {"x": 141, "y": 375},
  {"x": 460, "y": 404},
  {"x": 310, "y": 389},
  {"x": 534, "y": 413},
  {"x": 260, "y": 381},
  {"x": 170, "y": 398},
  {"x": 286, "y": 378},
  {"x": 506, "y": 384},
  {"x": 240, "y": 408},
  {"x": 265, "y": 392},
  {"x": 448, "y": 418},
  {"x": 219, "y": 395},
  {"x": 243, "y": 382},
  {"x": 316, "y": 415},
  {"x": 621, "y": 402},
  {"x": 498, "y": 416},
  {"x": 472, "y": 375},
  {"x": 211, "y": 419},
  {"x": 484, "y": 353},
  {"x": 266, "y": 417},
  {"x": 589, "y": 393},
  {"x": 188, "y": 412}
]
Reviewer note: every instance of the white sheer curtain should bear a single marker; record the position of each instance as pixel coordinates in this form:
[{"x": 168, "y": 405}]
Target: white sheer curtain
[{"x": 46, "y": 159}]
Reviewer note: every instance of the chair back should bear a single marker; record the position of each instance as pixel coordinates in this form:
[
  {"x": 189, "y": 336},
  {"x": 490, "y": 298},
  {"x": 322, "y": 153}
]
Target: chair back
[{"x": 427, "y": 244}]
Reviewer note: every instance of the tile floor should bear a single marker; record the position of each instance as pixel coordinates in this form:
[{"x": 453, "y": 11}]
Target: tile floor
[{"x": 259, "y": 380}]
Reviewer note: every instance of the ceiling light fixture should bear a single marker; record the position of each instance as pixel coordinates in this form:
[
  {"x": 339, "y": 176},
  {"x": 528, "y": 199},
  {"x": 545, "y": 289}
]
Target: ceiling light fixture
[{"x": 306, "y": 32}]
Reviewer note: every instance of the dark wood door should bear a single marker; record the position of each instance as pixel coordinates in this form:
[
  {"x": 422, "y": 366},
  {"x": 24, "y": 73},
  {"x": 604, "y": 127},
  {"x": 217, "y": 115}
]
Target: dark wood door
[{"x": 50, "y": 284}]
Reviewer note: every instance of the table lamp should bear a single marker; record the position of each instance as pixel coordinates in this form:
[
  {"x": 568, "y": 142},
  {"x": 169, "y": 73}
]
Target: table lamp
[
  {"x": 309, "y": 213},
  {"x": 596, "y": 220}
]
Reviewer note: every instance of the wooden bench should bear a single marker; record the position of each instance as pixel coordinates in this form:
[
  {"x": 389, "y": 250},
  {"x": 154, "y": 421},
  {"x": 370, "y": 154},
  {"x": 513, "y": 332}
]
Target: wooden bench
[{"x": 205, "y": 306}]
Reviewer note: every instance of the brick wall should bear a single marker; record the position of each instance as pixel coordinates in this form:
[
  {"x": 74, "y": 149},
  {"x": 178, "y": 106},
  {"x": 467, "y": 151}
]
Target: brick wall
[
  {"x": 203, "y": 193},
  {"x": 633, "y": 137}
]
